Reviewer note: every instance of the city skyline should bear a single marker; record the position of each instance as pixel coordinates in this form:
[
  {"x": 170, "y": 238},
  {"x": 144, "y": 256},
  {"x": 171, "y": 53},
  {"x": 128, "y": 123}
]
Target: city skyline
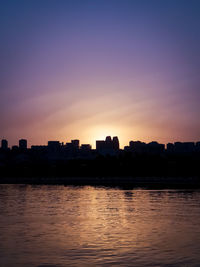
[
  {"x": 99, "y": 133},
  {"x": 24, "y": 143},
  {"x": 95, "y": 68},
  {"x": 107, "y": 158}
]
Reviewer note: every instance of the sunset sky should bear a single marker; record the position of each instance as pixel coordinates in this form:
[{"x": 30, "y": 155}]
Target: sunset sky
[{"x": 90, "y": 68}]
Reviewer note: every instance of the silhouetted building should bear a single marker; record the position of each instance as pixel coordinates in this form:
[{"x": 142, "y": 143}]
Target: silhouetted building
[
  {"x": 75, "y": 143},
  {"x": 38, "y": 148},
  {"x": 108, "y": 146},
  {"x": 127, "y": 148},
  {"x": 72, "y": 146},
  {"x": 115, "y": 143},
  {"x": 53, "y": 146},
  {"x": 198, "y": 146},
  {"x": 155, "y": 148},
  {"x": 100, "y": 145},
  {"x": 4, "y": 144},
  {"x": 109, "y": 143},
  {"x": 108, "y": 139},
  {"x": 23, "y": 144},
  {"x": 86, "y": 152},
  {"x": 69, "y": 146},
  {"x": 170, "y": 147},
  {"x": 86, "y": 147},
  {"x": 189, "y": 147},
  {"x": 15, "y": 148},
  {"x": 185, "y": 147},
  {"x": 138, "y": 147}
]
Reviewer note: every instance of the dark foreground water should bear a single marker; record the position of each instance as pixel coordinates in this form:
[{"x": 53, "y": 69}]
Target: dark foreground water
[{"x": 87, "y": 226}]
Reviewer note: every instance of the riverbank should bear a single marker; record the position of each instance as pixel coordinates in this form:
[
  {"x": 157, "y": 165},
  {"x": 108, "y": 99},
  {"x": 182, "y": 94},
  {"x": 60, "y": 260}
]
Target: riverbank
[{"x": 166, "y": 182}]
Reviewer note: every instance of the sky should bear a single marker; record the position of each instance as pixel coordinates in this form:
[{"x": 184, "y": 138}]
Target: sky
[{"x": 90, "y": 68}]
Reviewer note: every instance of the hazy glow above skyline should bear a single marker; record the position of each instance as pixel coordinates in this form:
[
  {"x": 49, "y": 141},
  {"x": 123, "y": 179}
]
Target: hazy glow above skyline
[{"x": 87, "y": 69}]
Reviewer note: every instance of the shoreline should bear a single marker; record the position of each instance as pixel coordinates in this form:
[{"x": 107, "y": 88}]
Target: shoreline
[{"x": 148, "y": 182}]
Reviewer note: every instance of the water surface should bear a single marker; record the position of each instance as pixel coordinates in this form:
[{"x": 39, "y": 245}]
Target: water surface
[{"x": 88, "y": 226}]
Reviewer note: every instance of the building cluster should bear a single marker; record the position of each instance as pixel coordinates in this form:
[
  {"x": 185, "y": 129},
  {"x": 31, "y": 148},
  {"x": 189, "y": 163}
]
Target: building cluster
[
  {"x": 143, "y": 148},
  {"x": 109, "y": 146},
  {"x": 74, "y": 145},
  {"x": 22, "y": 145},
  {"x": 186, "y": 147},
  {"x": 156, "y": 148}
]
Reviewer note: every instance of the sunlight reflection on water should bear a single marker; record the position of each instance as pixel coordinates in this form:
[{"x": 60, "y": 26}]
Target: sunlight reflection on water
[{"x": 87, "y": 226}]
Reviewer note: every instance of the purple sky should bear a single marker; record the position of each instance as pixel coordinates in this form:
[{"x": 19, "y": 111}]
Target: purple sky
[{"x": 87, "y": 69}]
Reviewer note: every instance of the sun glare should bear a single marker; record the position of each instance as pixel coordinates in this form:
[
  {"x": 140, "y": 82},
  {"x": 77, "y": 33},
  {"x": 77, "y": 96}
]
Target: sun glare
[{"x": 100, "y": 132}]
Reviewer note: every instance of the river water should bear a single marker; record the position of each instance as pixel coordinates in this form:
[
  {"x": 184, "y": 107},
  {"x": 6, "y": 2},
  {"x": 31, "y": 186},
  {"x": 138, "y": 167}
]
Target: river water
[{"x": 96, "y": 226}]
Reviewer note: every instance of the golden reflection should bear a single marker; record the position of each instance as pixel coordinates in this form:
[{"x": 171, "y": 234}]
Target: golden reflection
[
  {"x": 106, "y": 217},
  {"x": 98, "y": 225}
]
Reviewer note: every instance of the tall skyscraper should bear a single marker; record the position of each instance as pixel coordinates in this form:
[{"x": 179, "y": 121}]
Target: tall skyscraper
[
  {"x": 23, "y": 143},
  {"x": 115, "y": 143},
  {"x": 4, "y": 144},
  {"x": 109, "y": 143}
]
